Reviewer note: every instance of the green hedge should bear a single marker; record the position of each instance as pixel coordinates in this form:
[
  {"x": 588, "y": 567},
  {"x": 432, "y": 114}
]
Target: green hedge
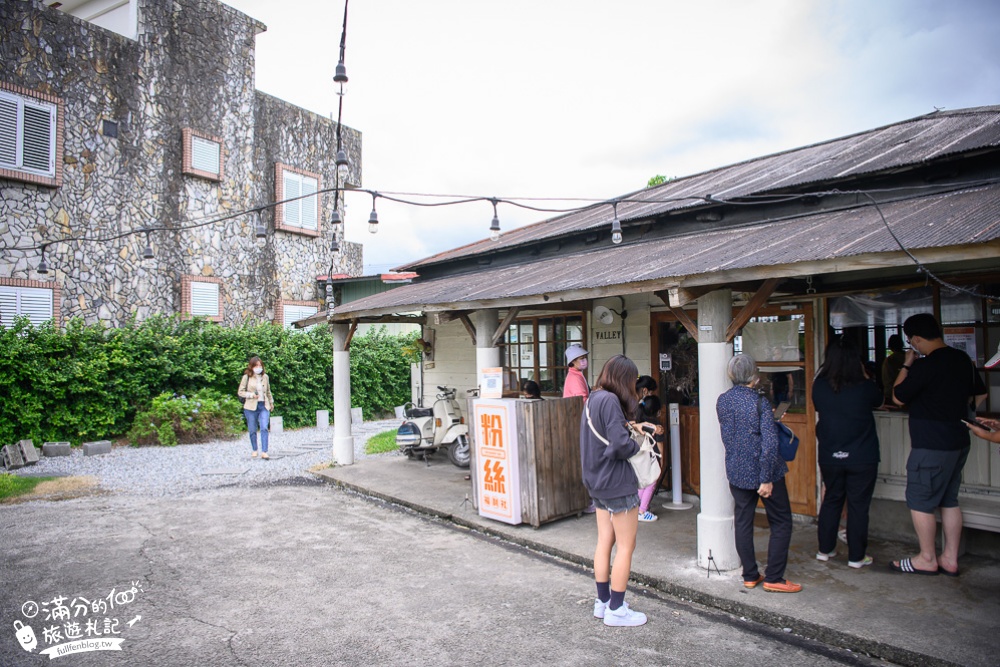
[{"x": 87, "y": 382}]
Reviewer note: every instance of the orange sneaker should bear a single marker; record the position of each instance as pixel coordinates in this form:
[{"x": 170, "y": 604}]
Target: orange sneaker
[
  {"x": 783, "y": 587},
  {"x": 753, "y": 583}
]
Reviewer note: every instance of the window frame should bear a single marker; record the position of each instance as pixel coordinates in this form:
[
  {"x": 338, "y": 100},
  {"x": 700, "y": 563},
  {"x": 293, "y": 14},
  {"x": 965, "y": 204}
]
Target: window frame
[
  {"x": 16, "y": 171},
  {"x": 188, "y": 136},
  {"x": 18, "y": 284},
  {"x": 186, "y": 297},
  {"x": 557, "y": 365},
  {"x": 279, "y": 311},
  {"x": 280, "y": 218}
]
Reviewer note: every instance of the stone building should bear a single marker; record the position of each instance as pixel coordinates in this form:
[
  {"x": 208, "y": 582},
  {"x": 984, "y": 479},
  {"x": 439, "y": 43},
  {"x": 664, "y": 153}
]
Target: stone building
[{"x": 153, "y": 123}]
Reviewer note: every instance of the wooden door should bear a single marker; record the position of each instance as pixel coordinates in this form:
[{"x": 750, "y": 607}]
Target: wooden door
[{"x": 801, "y": 479}]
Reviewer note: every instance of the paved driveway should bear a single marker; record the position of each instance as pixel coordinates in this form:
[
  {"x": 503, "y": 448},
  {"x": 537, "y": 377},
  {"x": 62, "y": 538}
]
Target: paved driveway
[{"x": 302, "y": 573}]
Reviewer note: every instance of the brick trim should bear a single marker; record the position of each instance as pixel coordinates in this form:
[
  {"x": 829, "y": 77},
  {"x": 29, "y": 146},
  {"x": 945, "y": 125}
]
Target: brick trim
[
  {"x": 279, "y": 308},
  {"x": 279, "y": 194},
  {"x": 186, "y": 295},
  {"x": 14, "y": 174},
  {"x": 187, "y": 151},
  {"x": 54, "y": 286}
]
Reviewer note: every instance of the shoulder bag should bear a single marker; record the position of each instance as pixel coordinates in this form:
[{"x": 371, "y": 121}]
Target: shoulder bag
[
  {"x": 788, "y": 442},
  {"x": 646, "y": 462}
]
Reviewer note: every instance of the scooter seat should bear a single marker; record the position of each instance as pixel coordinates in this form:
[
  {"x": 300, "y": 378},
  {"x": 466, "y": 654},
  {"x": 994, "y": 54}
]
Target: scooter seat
[{"x": 420, "y": 412}]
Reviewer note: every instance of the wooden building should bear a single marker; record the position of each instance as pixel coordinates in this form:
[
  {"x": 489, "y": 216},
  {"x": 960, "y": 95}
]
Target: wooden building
[{"x": 767, "y": 256}]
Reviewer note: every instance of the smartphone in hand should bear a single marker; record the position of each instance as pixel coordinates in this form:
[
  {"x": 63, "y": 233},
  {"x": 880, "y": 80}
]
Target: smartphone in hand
[
  {"x": 779, "y": 411},
  {"x": 976, "y": 422}
]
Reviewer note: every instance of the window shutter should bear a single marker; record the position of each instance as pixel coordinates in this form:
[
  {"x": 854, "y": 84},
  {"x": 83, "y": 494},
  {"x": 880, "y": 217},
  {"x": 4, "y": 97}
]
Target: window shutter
[
  {"x": 36, "y": 304},
  {"x": 8, "y": 305},
  {"x": 205, "y": 299},
  {"x": 205, "y": 155},
  {"x": 8, "y": 131},
  {"x": 310, "y": 205},
  {"x": 296, "y": 313},
  {"x": 39, "y": 139},
  {"x": 293, "y": 209}
]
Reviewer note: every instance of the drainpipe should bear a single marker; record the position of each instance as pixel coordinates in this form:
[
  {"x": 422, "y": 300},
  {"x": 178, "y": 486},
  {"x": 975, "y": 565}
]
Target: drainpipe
[
  {"x": 487, "y": 356},
  {"x": 716, "y": 536},
  {"x": 343, "y": 441}
]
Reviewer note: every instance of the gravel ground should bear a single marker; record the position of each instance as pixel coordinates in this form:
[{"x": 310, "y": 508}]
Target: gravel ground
[{"x": 173, "y": 471}]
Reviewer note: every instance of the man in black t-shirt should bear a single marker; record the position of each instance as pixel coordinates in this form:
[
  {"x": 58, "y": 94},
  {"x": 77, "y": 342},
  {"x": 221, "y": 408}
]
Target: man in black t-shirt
[{"x": 937, "y": 388}]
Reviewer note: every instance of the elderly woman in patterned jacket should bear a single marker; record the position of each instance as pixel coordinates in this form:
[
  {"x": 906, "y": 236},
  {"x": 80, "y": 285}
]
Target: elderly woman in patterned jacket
[{"x": 755, "y": 470}]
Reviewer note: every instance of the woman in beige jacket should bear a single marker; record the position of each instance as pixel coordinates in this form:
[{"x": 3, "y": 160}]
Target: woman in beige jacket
[{"x": 255, "y": 390}]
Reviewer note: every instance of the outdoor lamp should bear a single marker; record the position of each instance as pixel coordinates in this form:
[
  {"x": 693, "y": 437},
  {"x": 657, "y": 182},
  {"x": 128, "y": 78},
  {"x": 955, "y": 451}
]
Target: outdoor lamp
[
  {"x": 340, "y": 74},
  {"x": 335, "y": 218},
  {"x": 343, "y": 165},
  {"x": 148, "y": 252},
  {"x": 334, "y": 245},
  {"x": 373, "y": 217},
  {"x": 495, "y": 224},
  {"x": 261, "y": 231},
  {"x": 43, "y": 266},
  {"x": 616, "y": 227}
]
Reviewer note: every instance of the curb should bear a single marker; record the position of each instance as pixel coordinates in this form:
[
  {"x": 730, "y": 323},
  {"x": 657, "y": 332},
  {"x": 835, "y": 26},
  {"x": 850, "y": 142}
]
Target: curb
[{"x": 837, "y": 638}]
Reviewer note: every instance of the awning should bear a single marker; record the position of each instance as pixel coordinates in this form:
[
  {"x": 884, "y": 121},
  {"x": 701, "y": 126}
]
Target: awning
[{"x": 952, "y": 226}]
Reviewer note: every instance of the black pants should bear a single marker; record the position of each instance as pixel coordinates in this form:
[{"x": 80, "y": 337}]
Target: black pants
[
  {"x": 854, "y": 484},
  {"x": 779, "y": 516}
]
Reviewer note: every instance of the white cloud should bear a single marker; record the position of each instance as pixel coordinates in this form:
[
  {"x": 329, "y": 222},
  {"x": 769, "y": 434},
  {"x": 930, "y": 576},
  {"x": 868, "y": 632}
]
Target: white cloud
[{"x": 589, "y": 99}]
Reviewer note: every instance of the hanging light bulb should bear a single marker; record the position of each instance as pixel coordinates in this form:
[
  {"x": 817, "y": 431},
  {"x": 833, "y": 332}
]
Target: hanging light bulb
[
  {"x": 616, "y": 227},
  {"x": 495, "y": 223},
  {"x": 335, "y": 218},
  {"x": 261, "y": 231},
  {"x": 373, "y": 217},
  {"x": 334, "y": 244},
  {"x": 148, "y": 252},
  {"x": 329, "y": 287},
  {"x": 343, "y": 165},
  {"x": 340, "y": 74},
  {"x": 43, "y": 266}
]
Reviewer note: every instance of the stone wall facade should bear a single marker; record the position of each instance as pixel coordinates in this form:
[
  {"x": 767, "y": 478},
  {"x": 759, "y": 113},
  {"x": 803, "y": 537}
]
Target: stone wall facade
[{"x": 124, "y": 108}]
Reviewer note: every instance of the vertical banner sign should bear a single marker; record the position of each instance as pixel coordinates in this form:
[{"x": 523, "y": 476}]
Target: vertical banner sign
[{"x": 497, "y": 480}]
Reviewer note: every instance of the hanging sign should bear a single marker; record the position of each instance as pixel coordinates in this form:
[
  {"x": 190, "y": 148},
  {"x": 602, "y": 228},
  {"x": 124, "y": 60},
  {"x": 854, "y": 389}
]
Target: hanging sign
[
  {"x": 492, "y": 383},
  {"x": 497, "y": 483}
]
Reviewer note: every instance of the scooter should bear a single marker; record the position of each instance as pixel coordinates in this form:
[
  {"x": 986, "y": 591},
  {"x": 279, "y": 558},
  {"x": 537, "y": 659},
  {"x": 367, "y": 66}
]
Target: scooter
[{"x": 425, "y": 430}]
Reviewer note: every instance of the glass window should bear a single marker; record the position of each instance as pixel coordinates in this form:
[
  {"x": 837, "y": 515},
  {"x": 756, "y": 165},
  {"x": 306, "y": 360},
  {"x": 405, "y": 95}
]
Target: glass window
[{"x": 535, "y": 348}]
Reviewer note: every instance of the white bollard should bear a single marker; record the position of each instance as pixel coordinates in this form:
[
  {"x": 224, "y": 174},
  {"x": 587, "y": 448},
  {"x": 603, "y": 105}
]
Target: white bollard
[
  {"x": 677, "y": 501},
  {"x": 277, "y": 425}
]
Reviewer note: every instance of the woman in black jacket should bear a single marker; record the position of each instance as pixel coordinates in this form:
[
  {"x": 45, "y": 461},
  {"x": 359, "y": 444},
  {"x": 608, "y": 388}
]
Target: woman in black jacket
[
  {"x": 844, "y": 396},
  {"x": 605, "y": 447}
]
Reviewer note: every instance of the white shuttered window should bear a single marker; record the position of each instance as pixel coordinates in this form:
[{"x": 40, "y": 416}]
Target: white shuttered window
[
  {"x": 296, "y": 313},
  {"x": 35, "y": 303},
  {"x": 27, "y": 135},
  {"x": 205, "y": 299},
  {"x": 205, "y": 155},
  {"x": 304, "y": 212}
]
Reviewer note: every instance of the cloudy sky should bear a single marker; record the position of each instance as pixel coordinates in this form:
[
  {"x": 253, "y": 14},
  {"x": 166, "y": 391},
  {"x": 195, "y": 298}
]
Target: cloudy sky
[{"x": 584, "y": 99}]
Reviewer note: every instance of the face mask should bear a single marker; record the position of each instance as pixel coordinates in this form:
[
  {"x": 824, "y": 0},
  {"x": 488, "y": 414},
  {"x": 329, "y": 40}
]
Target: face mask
[
  {"x": 258, "y": 370},
  {"x": 582, "y": 364}
]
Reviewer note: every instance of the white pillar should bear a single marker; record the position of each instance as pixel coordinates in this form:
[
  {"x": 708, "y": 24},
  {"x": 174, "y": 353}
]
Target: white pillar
[
  {"x": 343, "y": 441},
  {"x": 715, "y": 522},
  {"x": 487, "y": 356}
]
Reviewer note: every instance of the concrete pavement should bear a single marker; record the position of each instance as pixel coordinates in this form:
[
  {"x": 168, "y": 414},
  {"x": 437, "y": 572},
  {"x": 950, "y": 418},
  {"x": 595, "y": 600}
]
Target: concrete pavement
[{"x": 906, "y": 619}]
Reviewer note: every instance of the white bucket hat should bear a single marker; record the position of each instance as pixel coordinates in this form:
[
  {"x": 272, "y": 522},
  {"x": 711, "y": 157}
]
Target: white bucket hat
[
  {"x": 992, "y": 363},
  {"x": 574, "y": 352}
]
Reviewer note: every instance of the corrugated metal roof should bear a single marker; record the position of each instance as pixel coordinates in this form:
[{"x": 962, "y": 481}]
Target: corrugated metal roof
[
  {"x": 823, "y": 239},
  {"x": 908, "y": 143}
]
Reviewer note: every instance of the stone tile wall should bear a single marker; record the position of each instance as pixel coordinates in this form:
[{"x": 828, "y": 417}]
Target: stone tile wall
[{"x": 192, "y": 67}]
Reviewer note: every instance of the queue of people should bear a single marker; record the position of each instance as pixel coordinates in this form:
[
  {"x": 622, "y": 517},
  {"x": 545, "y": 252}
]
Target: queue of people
[{"x": 938, "y": 385}]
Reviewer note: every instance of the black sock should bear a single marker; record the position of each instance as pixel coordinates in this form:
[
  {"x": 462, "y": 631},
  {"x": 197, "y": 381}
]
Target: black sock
[
  {"x": 604, "y": 591},
  {"x": 617, "y": 598}
]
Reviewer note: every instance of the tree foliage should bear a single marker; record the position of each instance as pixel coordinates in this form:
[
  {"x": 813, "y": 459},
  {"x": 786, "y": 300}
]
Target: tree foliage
[{"x": 88, "y": 382}]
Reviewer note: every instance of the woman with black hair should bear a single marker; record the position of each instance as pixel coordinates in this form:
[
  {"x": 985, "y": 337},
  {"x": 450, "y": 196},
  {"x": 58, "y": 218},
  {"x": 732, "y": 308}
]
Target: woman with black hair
[
  {"x": 605, "y": 448},
  {"x": 648, "y": 411},
  {"x": 845, "y": 396}
]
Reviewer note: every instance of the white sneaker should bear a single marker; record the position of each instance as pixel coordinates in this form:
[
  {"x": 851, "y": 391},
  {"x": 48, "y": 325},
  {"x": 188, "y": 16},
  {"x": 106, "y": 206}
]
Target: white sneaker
[
  {"x": 624, "y": 617},
  {"x": 648, "y": 517},
  {"x": 825, "y": 557},
  {"x": 842, "y": 535},
  {"x": 858, "y": 564},
  {"x": 599, "y": 608}
]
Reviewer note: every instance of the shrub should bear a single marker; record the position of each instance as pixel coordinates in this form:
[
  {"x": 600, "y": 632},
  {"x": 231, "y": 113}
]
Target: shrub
[
  {"x": 177, "y": 419},
  {"x": 380, "y": 371}
]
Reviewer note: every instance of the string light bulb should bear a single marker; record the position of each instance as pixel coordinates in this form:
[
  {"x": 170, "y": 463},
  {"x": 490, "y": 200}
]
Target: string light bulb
[
  {"x": 495, "y": 223},
  {"x": 43, "y": 266},
  {"x": 334, "y": 243},
  {"x": 148, "y": 252},
  {"x": 373, "y": 217},
  {"x": 616, "y": 226},
  {"x": 340, "y": 73},
  {"x": 343, "y": 165},
  {"x": 335, "y": 218},
  {"x": 261, "y": 231}
]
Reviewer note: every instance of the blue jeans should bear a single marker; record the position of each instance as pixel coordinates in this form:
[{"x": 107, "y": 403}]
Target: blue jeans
[{"x": 258, "y": 418}]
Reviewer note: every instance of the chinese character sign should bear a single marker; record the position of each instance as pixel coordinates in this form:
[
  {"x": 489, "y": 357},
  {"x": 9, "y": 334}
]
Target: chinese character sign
[{"x": 496, "y": 460}]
